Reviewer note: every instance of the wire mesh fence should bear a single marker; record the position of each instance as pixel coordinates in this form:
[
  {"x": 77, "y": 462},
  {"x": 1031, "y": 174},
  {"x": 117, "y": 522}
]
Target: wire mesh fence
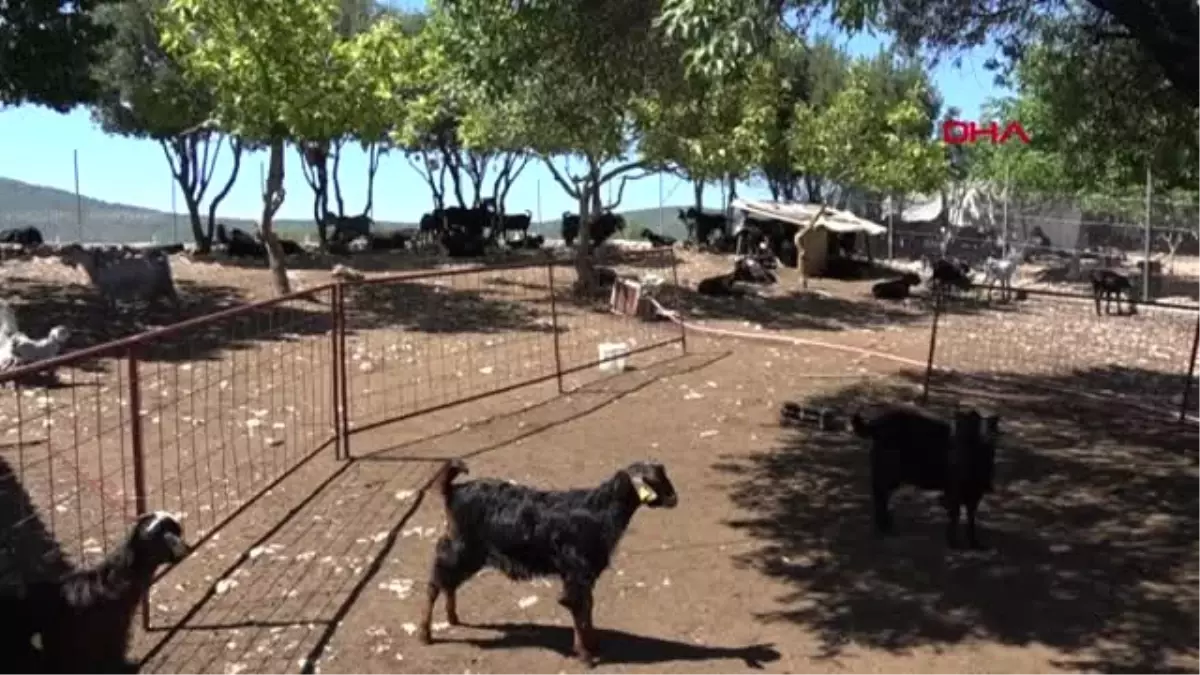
[
  {"x": 196, "y": 419},
  {"x": 201, "y": 418},
  {"x": 416, "y": 343},
  {"x": 1069, "y": 343}
]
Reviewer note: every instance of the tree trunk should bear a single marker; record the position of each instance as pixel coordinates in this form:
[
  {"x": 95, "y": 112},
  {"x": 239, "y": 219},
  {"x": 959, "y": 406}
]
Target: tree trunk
[
  {"x": 698, "y": 194},
  {"x": 203, "y": 243},
  {"x": 273, "y": 195},
  {"x": 236, "y": 146},
  {"x": 589, "y": 196}
]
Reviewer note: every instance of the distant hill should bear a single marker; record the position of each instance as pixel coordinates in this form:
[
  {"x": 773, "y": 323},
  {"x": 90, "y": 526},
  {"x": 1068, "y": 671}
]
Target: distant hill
[{"x": 58, "y": 214}]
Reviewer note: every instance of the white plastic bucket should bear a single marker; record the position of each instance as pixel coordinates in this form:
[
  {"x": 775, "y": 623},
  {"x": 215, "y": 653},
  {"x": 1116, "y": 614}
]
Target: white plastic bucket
[{"x": 614, "y": 356}]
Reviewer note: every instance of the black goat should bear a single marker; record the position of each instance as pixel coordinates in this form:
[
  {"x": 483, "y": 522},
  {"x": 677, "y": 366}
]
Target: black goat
[
  {"x": 238, "y": 244},
  {"x": 570, "y": 227},
  {"x": 895, "y": 289},
  {"x": 702, "y": 226},
  {"x": 464, "y": 243},
  {"x": 527, "y": 533},
  {"x": 82, "y": 620},
  {"x": 27, "y": 237},
  {"x": 602, "y": 227},
  {"x": 391, "y": 241},
  {"x": 719, "y": 285},
  {"x": 515, "y": 223},
  {"x": 657, "y": 239},
  {"x": 950, "y": 274},
  {"x": 1110, "y": 284},
  {"x": 956, "y": 458}
]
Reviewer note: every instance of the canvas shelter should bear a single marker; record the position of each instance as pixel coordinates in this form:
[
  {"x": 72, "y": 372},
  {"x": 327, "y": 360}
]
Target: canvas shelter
[{"x": 817, "y": 238}]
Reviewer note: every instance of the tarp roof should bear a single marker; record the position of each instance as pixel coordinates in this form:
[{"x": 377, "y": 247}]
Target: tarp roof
[{"x": 800, "y": 214}]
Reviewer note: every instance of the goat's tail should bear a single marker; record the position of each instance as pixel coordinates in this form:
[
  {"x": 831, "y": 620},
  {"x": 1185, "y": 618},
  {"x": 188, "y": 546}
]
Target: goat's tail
[
  {"x": 860, "y": 426},
  {"x": 441, "y": 483}
]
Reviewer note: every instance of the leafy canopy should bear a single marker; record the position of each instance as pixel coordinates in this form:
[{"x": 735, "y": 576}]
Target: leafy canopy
[{"x": 282, "y": 69}]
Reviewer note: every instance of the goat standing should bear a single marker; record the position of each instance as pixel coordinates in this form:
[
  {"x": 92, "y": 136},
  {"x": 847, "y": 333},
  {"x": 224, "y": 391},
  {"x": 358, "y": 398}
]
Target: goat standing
[
  {"x": 909, "y": 447},
  {"x": 1110, "y": 284},
  {"x": 83, "y": 619},
  {"x": 1001, "y": 271},
  {"x": 145, "y": 275},
  {"x": 526, "y": 533},
  {"x": 950, "y": 274}
]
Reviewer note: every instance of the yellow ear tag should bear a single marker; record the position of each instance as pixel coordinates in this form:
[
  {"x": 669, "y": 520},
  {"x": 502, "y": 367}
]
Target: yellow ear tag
[
  {"x": 646, "y": 493},
  {"x": 35, "y": 641}
]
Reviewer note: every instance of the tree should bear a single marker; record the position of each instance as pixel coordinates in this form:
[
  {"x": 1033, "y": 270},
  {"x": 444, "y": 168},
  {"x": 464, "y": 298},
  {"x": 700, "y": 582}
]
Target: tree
[
  {"x": 573, "y": 73},
  {"x": 853, "y": 142},
  {"x": 1108, "y": 110},
  {"x": 279, "y": 70},
  {"x": 320, "y": 158},
  {"x": 722, "y": 34},
  {"x": 144, "y": 95},
  {"x": 46, "y": 51},
  {"x": 705, "y": 131}
]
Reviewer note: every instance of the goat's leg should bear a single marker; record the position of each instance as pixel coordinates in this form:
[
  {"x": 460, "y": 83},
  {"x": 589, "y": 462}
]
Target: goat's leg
[
  {"x": 881, "y": 493},
  {"x": 972, "y": 505},
  {"x": 453, "y": 565},
  {"x": 577, "y": 598},
  {"x": 1096, "y": 297},
  {"x": 953, "y": 507}
]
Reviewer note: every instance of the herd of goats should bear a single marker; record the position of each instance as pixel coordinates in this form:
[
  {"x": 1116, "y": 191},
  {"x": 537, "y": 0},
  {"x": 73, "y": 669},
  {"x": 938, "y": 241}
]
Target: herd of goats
[
  {"x": 129, "y": 274},
  {"x": 80, "y": 622}
]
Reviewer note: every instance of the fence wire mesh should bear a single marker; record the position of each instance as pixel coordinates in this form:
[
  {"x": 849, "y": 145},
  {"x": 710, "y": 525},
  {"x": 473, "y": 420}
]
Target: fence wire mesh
[
  {"x": 1059, "y": 342},
  {"x": 421, "y": 342}
]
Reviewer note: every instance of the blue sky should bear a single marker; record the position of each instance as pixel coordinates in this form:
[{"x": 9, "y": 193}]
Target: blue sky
[{"x": 39, "y": 146}]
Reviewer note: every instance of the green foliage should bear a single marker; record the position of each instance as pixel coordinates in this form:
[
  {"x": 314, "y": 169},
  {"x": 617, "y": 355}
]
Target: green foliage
[
  {"x": 281, "y": 69},
  {"x": 144, "y": 91},
  {"x": 1097, "y": 112},
  {"x": 855, "y": 141},
  {"x": 46, "y": 51},
  {"x": 571, "y": 73}
]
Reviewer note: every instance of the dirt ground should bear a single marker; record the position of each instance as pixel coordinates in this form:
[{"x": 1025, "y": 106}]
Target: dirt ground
[{"x": 769, "y": 561}]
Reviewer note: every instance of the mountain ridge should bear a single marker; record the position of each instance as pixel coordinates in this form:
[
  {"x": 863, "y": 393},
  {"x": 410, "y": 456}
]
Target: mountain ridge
[{"x": 56, "y": 213}]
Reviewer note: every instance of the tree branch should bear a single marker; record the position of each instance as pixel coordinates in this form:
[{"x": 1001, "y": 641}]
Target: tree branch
[
  {"x": 631, "y": 166},
  {"x": 561, "y": 180}
]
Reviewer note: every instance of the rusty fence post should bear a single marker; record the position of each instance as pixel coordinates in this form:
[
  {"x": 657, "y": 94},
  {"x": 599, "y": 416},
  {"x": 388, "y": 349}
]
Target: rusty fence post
[
  {"x": 933, "y": 332},
  {"x": 678, "y": 302},
  {"x": 1191, "y": 374},
  {"x": 344, "y": 379},
  {"x": 335, "y": 361},
  {"x": 137, "y": 446},
  {"x": 558, "y": 369}
]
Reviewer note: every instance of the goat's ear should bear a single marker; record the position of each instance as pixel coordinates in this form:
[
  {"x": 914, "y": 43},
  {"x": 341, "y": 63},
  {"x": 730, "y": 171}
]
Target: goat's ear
[{"x": 645, "y": 493}]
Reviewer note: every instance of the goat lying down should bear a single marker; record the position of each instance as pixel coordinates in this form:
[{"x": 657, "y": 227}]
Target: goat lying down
[
  {"x": 955, "y": 458},
  {"x": 526, "y": 533},
  {"x": 80, "y": 623}
]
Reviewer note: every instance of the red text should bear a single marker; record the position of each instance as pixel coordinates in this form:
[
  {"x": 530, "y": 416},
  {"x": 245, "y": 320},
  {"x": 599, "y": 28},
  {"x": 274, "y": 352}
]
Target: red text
[{"x": 957, "y": 132}]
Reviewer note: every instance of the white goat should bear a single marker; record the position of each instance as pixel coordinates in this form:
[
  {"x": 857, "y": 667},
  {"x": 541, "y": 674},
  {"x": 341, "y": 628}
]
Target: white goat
[
  {"x": 18, "y": 349},
  {"x": 1002, "y": 271},
  {"x": 144, "y": 274}
]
